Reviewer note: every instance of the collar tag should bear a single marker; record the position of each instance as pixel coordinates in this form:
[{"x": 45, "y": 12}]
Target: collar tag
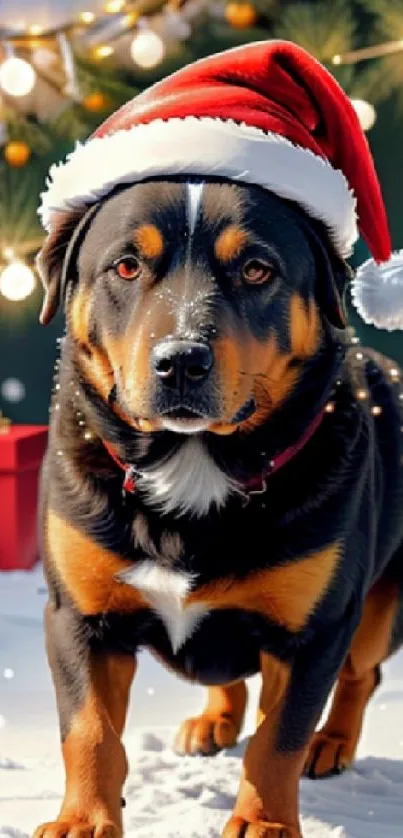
[{"x": 129, "y": 483}]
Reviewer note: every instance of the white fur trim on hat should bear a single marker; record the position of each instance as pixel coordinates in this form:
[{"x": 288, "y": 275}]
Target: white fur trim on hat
[
  {"x": 377, "y": 292},
  {"x": 211, "y": 147}
]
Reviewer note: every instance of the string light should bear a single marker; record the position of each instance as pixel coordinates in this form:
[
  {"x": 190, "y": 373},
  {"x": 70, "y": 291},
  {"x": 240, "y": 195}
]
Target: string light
[
  {"x": 362, "y": 394},
  {"x": 329, "y": 407},
  {"x": 17, "y": 76},
  {"x": 363, "y": 54},
  {"x": 147, "y": 49},
  {"x": 112, "y": 7},
  {"x": 103, "y": 51},
  {"x": 17, "y": 281},
  {"x": 376, "y": 410},
  {"x": 36, "y": 29},
  {"x": 8, "y": 253},
  {"x": 130, "y": 19},
  {"x": 86, "y": 17}
]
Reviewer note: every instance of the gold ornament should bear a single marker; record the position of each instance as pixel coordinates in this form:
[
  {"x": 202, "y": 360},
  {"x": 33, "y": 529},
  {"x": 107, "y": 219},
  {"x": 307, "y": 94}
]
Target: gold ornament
[
  {"x": 95, "y": 102},
  {"x": 241, "y": 15},
  {"x": 17, "y": 153}
]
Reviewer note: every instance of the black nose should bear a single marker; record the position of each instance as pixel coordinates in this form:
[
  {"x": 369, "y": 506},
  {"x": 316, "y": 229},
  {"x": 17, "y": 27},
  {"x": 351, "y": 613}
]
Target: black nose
[{"x": 182, "y": 364}]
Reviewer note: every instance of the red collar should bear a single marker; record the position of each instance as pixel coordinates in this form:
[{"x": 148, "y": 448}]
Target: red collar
[{"x": 255, "y": 486}]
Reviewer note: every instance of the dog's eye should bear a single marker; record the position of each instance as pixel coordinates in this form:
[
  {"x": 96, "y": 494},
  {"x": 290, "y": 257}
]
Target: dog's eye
[
  {"x": 128, "y": 267},
  {"x": 256, "y": 272}
]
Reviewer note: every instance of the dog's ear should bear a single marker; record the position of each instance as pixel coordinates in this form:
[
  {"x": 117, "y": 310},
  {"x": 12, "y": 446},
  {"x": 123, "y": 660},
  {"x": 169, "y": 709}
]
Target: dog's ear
[
  {"x": 331, "y": 289},
  {"x": 56, "y": 262},
  {"x": 332, "y": 277}
]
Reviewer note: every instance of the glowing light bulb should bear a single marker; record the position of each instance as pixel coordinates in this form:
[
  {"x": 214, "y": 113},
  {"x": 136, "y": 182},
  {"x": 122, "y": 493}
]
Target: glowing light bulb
[
  {"x": 112, "y": 7},
  {"x": 366, "y": 113},
  {"x": 87, "y": 17},
  {"x": 8, "y": 253},
  {"x": 17, "y": 281},
  {"x": 17, "y": 77},
  {"x": 103, "y": 51},
  {"x": 8, "y": 673},
  {"x": 35, "y": 29},
  {"x": 147, "y": 49}
]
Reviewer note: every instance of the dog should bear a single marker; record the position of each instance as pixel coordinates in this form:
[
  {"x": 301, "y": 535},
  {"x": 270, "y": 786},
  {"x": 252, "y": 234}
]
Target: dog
[{"x": 223, "y": 486}]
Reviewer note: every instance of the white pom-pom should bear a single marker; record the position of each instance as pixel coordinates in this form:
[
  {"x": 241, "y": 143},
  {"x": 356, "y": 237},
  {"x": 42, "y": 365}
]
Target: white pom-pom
[{"x": 377, "y": 292}]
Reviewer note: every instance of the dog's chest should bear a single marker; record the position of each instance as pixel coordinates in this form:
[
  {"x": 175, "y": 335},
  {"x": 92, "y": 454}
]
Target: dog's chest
[{"x": 166, "y": 591}]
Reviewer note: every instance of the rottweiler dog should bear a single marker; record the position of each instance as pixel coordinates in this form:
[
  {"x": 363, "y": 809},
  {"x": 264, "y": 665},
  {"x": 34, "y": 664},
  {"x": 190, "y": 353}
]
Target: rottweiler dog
[{"x": 223, "y": 486}]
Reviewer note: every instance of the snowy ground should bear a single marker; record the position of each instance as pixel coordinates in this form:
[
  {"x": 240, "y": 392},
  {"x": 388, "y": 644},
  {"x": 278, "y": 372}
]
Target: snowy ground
[{"x": 166, "y": 795}]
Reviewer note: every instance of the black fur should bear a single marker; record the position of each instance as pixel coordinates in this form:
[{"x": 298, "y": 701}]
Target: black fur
[{"x": 345, "y": 485}]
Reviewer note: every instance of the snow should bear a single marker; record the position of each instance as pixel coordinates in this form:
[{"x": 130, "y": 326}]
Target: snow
[{"x": 187, "y": 797}]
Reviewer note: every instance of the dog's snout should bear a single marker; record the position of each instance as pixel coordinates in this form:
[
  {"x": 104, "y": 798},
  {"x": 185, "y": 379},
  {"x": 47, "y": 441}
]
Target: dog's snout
[{"x": 182, "y": 364}]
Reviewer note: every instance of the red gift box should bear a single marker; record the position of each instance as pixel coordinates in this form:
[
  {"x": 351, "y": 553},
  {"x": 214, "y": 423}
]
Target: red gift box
[{"x": 22, "y": 448}]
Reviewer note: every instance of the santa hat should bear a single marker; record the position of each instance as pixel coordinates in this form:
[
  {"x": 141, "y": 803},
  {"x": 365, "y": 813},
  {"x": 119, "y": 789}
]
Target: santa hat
[{"x": 267, "y": 114}]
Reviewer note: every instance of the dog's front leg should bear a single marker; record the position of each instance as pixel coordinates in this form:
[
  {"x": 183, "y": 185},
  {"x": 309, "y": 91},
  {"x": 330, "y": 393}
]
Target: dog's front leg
[
  {"x": 292, "y": 698},
  {"x": 92, "y": 690}
]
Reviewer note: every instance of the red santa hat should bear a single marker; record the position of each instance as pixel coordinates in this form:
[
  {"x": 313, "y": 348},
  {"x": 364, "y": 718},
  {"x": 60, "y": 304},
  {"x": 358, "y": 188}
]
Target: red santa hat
[{"x": 267, "y": 114}]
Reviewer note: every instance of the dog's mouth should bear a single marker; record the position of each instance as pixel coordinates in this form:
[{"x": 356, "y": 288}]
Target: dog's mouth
[
  {"x": 184, "y": 420},
  {"x": 183, "y": 413}
]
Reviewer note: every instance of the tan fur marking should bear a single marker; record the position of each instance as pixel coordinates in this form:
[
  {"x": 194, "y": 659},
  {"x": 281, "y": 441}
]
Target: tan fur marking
[
  {"x": 263, "y": 369},
  {"x": 274, "y": 383},
  {"x": 305, "y": 327},
  {"x": 95, "y": 761},
  {"x": 130, "y": 359},
  {"x": 99, "y": 372},
  {"x": 371, "y": 641},
  {"x": 268, "y": 793},
  {"x": 79, "y": 315},
  {"x": 87, "y": 570},
  {"x": 218, "y": 725},
  {"x": 257, "y": 368},
  {"x": 287, "y": 594},
  {"x": 150, "y": 241},
  {"x": 230, "y": 243},
  {"x": 334, "y": 746}
]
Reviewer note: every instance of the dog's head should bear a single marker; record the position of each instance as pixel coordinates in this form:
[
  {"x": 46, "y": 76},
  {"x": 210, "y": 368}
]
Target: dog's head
[{"x": 195, "y": 306}]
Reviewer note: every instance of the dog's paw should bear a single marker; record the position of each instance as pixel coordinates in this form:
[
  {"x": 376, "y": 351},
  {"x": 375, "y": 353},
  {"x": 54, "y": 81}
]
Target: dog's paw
[
  {"x": 239, "y": 828},
  {"x": 206, "y": 735},
  {"x": 328, "y": 755},
  {"x": 79, "y": 828}
]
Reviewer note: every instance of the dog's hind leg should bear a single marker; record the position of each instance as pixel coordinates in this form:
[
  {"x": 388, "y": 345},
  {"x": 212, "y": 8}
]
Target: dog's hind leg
[
  {"x": 219, "y": 724},
  {"x": 333, "y": 747}
]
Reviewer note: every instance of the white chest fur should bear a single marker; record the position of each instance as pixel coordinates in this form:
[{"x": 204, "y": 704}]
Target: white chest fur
[
  {"x": 166, "y": 591},
  {"x": 188, "y": 482}
]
